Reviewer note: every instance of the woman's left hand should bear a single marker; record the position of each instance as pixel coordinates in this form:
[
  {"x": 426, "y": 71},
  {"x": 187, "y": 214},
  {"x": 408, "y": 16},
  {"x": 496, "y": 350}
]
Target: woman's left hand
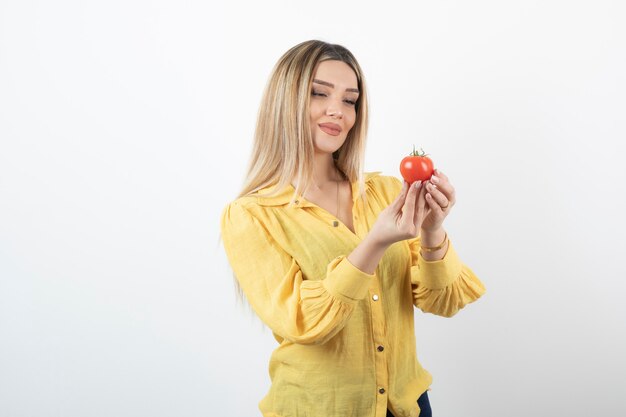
[{"x": 440, "y": 198}]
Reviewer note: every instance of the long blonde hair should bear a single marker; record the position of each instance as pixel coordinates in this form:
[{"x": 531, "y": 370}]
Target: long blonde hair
[{"x": 283, "y": 147}]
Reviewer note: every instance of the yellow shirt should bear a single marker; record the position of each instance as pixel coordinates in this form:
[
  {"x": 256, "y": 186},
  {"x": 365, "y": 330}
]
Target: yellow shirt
[{"x": 346, "y": 338}]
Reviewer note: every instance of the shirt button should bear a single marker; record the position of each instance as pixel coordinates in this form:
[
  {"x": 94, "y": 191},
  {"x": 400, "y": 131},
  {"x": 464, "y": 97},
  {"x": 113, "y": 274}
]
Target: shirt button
[
  {"x": 380, "y": 348},
  {"x": 375, "y": 297},
  {"x": 382, "y": 390}
]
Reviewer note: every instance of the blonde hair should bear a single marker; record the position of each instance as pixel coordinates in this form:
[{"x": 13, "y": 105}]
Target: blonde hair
[{"x": 283, "y": 147}]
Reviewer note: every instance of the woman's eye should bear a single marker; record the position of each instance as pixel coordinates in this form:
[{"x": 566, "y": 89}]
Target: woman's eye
[{"x": 315, "y": 93}]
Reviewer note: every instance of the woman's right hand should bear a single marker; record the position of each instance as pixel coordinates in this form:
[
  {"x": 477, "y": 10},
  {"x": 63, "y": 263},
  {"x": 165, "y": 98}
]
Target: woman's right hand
[{"x": 402, "y": 219}]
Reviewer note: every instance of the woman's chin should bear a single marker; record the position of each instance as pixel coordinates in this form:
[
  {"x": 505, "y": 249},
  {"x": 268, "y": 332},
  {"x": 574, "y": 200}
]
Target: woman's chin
[{"x": 329, "y": 149}]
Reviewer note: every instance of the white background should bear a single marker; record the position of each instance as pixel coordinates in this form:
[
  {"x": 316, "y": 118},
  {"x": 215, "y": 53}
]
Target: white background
[{"x": 126, "y": 126}]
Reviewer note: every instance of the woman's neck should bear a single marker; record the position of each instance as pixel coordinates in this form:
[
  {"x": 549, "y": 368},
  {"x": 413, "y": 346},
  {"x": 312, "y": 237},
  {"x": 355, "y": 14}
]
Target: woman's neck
[{"x": 325, "y": 173}]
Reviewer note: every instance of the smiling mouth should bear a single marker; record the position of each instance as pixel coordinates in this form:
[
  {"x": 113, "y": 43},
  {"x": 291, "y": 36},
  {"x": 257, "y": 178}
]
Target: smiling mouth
[{"x": 330, "y": 130}]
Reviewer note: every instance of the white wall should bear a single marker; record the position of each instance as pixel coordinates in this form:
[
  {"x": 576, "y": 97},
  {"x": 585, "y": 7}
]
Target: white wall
[{"x": 126, "y": 126}]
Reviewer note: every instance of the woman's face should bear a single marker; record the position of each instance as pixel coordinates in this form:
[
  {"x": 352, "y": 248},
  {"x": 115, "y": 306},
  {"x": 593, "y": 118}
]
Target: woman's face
[{"x": 334, "y": 93}]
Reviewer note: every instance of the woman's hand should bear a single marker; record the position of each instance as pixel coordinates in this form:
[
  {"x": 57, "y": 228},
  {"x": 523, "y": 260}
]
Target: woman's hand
[
  {"x": 440, "y": 198},
  {"x": 403, "y": 218}
]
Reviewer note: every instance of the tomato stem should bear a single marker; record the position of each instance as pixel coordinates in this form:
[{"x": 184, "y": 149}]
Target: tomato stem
[{"x": 418, "y": 153}]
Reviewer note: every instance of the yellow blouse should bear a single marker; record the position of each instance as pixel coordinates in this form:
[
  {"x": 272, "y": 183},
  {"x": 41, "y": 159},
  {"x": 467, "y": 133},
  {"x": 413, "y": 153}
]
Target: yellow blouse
[{"x": 346, "y": 338}]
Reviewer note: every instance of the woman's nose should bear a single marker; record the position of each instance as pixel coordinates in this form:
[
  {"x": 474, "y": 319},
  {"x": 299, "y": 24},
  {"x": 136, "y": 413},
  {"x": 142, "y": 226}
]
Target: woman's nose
[{"x": 334, "y": 113}]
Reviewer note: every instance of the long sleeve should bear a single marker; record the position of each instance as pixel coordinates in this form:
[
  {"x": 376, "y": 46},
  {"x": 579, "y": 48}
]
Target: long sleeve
[
  {"x": 301, "y": 310},
  {"x": 445, "y": 286}
]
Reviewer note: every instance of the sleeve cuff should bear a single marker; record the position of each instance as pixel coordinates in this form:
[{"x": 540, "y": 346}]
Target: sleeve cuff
[
  {"x": 345, "y": 281},
  {"x": 439, "y": 274}
]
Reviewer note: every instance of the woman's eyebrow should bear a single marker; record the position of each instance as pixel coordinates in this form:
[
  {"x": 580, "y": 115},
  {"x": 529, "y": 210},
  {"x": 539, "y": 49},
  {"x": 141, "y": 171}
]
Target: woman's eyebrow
[{"x": 354, "y": 90}]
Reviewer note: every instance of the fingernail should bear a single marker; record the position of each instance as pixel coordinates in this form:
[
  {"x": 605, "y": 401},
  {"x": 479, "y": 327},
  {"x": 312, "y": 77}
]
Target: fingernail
[
  {"x": 417, "y": 184},
  {"x": 434, "y": 179}
]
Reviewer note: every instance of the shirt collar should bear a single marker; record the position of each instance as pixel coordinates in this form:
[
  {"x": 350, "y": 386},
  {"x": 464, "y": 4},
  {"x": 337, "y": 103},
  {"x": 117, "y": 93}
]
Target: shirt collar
[{"x": 285, "y": 195}]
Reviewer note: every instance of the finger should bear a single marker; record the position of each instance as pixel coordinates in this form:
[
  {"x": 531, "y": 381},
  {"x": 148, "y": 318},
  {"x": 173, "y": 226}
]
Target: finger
[
  {"x": 420, "y": 211},
  {"x": 439, "y": 197},
  {"x": 445, "y": 187},
  {"x": 408, "y": 210},
  {"x": 434, "y": 206},
  {"x": 441, "y": 174},
  {"x": 397, "y": 203}
]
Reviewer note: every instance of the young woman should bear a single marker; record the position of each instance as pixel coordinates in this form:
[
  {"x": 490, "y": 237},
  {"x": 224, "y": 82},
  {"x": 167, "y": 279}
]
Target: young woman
[{"x": 332, "y": 259}]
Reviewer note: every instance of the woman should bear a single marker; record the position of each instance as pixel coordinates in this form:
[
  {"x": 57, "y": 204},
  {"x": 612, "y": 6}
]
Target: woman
[{"x": 332, "y": 259}]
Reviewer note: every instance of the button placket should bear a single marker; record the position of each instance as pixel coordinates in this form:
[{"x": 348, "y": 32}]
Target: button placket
[{"x": 379, "y": 342}]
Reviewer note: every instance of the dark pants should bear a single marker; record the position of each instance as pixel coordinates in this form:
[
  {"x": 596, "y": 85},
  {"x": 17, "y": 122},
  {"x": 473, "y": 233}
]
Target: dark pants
[{"x": 424, "y": 405}]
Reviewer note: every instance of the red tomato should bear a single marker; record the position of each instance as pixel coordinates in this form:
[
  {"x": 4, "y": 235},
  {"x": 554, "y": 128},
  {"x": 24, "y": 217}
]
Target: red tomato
[{"x": 416, "y": 167}]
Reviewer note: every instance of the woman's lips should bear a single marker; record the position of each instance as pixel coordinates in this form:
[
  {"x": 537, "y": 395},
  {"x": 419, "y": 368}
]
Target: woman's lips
[{"x": 330, "y": 129}]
